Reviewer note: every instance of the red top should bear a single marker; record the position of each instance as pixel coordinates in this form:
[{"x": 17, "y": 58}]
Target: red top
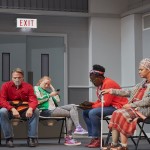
[
  {"x": 139, "y": 94},
  {"x": 25, "y": 92},
  {"x": 110, "y": 100}
]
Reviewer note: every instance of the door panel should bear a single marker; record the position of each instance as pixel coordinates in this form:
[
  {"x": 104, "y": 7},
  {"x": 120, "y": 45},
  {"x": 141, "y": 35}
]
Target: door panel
[
  {"x": 53, "y": 48},
  {"x": 17, "y": 53},
  {"x": 25, "y": 52}
]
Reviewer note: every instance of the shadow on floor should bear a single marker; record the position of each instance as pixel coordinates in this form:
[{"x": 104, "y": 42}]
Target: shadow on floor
[{"x": 52, "y": 144}]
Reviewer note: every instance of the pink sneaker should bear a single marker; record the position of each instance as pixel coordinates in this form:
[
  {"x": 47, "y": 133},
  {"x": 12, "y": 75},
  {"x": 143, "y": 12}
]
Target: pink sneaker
[
  {"x": 69, "y": 141},
  {"x": 80, "y": 130}
]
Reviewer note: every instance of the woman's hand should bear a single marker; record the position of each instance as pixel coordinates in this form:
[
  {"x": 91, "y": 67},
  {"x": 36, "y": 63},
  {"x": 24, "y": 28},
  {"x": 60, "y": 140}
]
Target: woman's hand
[
  {"x": 54, "y": 93},
  {"x": 52, "y": 88},
  {"x": 126, "y": 106},
  {"x": 106, "y": 91}
]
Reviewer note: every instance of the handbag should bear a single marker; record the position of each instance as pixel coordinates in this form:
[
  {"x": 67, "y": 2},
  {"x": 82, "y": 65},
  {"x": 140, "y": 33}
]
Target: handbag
[
  {"x": 85, "y": 105},
  {"x": 19, "y": 105},
  {"x": 140, "y": 114}
]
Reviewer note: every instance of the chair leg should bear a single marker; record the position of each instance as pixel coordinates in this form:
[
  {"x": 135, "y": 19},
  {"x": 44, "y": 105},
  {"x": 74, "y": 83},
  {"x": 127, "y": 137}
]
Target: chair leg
[
  {"x": 132, "y": 138},
  {"x": 0, "y": 135},
  {"x": 108, "y": 137},
  {"x": 61, "y": 130},
  {"x": 139, "y": 137},
  {"x": 65, "y": 126},
  {"x": 142, "y": 131}
]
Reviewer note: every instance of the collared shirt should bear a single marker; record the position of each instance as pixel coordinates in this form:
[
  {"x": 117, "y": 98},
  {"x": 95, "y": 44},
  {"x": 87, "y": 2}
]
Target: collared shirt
[{"x": 25, "y": 92}]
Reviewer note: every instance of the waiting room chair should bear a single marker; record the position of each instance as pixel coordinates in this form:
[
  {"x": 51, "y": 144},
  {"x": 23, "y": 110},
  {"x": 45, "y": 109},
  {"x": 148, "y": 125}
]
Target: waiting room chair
[
  {"x": 50, "y": 121},
  {"x": 107, "y": 119},
  {"x": 15, "y": 122},
  {"x": 141, "y": 135}
]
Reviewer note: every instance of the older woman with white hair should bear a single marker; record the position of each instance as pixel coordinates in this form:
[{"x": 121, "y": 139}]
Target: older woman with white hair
[{"x": 123, "y": 122}]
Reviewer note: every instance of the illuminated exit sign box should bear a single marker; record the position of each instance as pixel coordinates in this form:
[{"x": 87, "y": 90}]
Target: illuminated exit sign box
[{"x": 26, "y": 23}]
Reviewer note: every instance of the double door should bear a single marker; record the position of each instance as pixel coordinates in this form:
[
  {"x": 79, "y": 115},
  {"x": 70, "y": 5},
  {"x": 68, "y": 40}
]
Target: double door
[{"x": 37, "y": 56}]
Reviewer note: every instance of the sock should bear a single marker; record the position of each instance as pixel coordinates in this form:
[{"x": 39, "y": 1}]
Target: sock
[
  {"x": 115, "y": 144},
  {"x": 70, "y": 132},
  {"x": 78, "y": 126},
  {"x": 123, "y": 145}
]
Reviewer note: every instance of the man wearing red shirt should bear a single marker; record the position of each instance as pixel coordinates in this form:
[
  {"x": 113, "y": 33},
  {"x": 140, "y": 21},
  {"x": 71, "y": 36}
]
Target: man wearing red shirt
[
  {"x": 18, "y": 91},
  {"x": 92, "y": 116}
]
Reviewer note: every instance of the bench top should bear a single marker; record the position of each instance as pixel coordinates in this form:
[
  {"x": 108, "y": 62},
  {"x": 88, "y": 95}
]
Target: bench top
[{"x": 42, "y": 117}]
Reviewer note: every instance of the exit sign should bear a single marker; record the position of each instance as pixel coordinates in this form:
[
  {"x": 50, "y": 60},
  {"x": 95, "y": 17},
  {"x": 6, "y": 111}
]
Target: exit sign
[{"x": 26, "y": 23}]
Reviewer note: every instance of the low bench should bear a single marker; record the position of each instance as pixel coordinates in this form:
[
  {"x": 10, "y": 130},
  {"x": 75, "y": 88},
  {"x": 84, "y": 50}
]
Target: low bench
[{"x": 48, "y": 121}]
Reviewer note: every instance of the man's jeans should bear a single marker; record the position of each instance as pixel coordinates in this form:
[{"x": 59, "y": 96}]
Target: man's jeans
[
  {"x": 5, "y": 119},
  {"x": 92, "y": 118}
]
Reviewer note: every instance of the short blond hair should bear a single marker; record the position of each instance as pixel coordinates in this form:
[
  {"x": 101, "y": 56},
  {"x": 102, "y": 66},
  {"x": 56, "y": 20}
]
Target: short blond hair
[{"x": 44, "y": 77}]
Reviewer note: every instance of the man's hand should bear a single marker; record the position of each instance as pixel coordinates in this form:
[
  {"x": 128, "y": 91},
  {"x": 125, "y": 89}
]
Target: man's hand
[
  {"x": 15, "y": 113},
  {"x": 29, "y": 112}
]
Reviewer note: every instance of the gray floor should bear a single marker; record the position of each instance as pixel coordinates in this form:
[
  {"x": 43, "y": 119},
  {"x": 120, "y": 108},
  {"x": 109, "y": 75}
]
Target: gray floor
[{"x": 52, "y": 144}]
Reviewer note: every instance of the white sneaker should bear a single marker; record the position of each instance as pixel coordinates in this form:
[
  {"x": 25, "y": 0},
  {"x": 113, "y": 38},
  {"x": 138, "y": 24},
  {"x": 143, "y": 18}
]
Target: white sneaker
[
  {"x": 69, "y": 141},
  {"x": 80, "y": 130}
]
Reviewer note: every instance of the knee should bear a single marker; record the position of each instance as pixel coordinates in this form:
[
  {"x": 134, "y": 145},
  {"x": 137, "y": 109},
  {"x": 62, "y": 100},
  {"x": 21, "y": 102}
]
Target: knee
[
  {"x": 85, "y": 113},
  {"x": 73, "y": 106},
  {"x": 3, "y": 112},
  {"x": 36, "y": 112},
  {"x": 91, "y": 114}
]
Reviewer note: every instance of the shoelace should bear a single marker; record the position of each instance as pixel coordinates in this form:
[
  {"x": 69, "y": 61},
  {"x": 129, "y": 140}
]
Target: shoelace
[
  {"x": 79, "y": 129},
  {"x": 68, "y": 138},
  {"x": 73, "y": 141}
]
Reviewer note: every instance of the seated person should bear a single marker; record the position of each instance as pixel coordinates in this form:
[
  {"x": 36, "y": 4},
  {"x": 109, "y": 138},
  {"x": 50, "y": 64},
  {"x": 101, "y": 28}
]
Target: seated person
[
  {"x": 48, "y": 106},
  {"x": 92, "y": 116},
  {"x": 137, "y": 107},
  {"x": 18, "y": 91}
]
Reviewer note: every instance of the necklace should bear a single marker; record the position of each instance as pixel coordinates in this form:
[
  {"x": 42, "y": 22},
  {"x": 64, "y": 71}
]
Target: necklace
[{"x": 147, "y": 81}]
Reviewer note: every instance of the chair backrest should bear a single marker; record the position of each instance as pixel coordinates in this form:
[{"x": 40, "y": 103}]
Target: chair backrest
[{"x": 147, "y": 120}]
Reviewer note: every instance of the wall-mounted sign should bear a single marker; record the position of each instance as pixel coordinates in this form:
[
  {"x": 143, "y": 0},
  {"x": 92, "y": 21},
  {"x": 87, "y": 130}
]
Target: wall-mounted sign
[{"x": 26, "y": 23}]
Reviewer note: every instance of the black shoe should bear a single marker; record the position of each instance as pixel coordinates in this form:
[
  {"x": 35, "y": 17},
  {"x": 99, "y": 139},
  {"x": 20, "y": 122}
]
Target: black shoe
[
  {"x": 31, "y": 142},
  {"x": 9, "y": 142}
]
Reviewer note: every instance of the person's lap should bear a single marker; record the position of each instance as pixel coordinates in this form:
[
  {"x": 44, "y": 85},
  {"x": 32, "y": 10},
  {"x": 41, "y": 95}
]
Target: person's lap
[
  {"x": 58, "y": 112},
  {"x": 92, "y": 118},
  {"x": 98, "y": 111}
]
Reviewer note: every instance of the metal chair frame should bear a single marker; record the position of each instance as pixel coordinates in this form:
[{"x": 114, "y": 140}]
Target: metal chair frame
[
  {"x": 135, "y": 139},
  {"x": 142, "y": 133},
  {"x": 64, "y": 124}
]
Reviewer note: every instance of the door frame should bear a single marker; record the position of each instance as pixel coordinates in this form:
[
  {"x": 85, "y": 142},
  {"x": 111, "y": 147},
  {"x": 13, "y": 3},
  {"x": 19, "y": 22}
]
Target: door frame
[{"x": 65, "y": 55}]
